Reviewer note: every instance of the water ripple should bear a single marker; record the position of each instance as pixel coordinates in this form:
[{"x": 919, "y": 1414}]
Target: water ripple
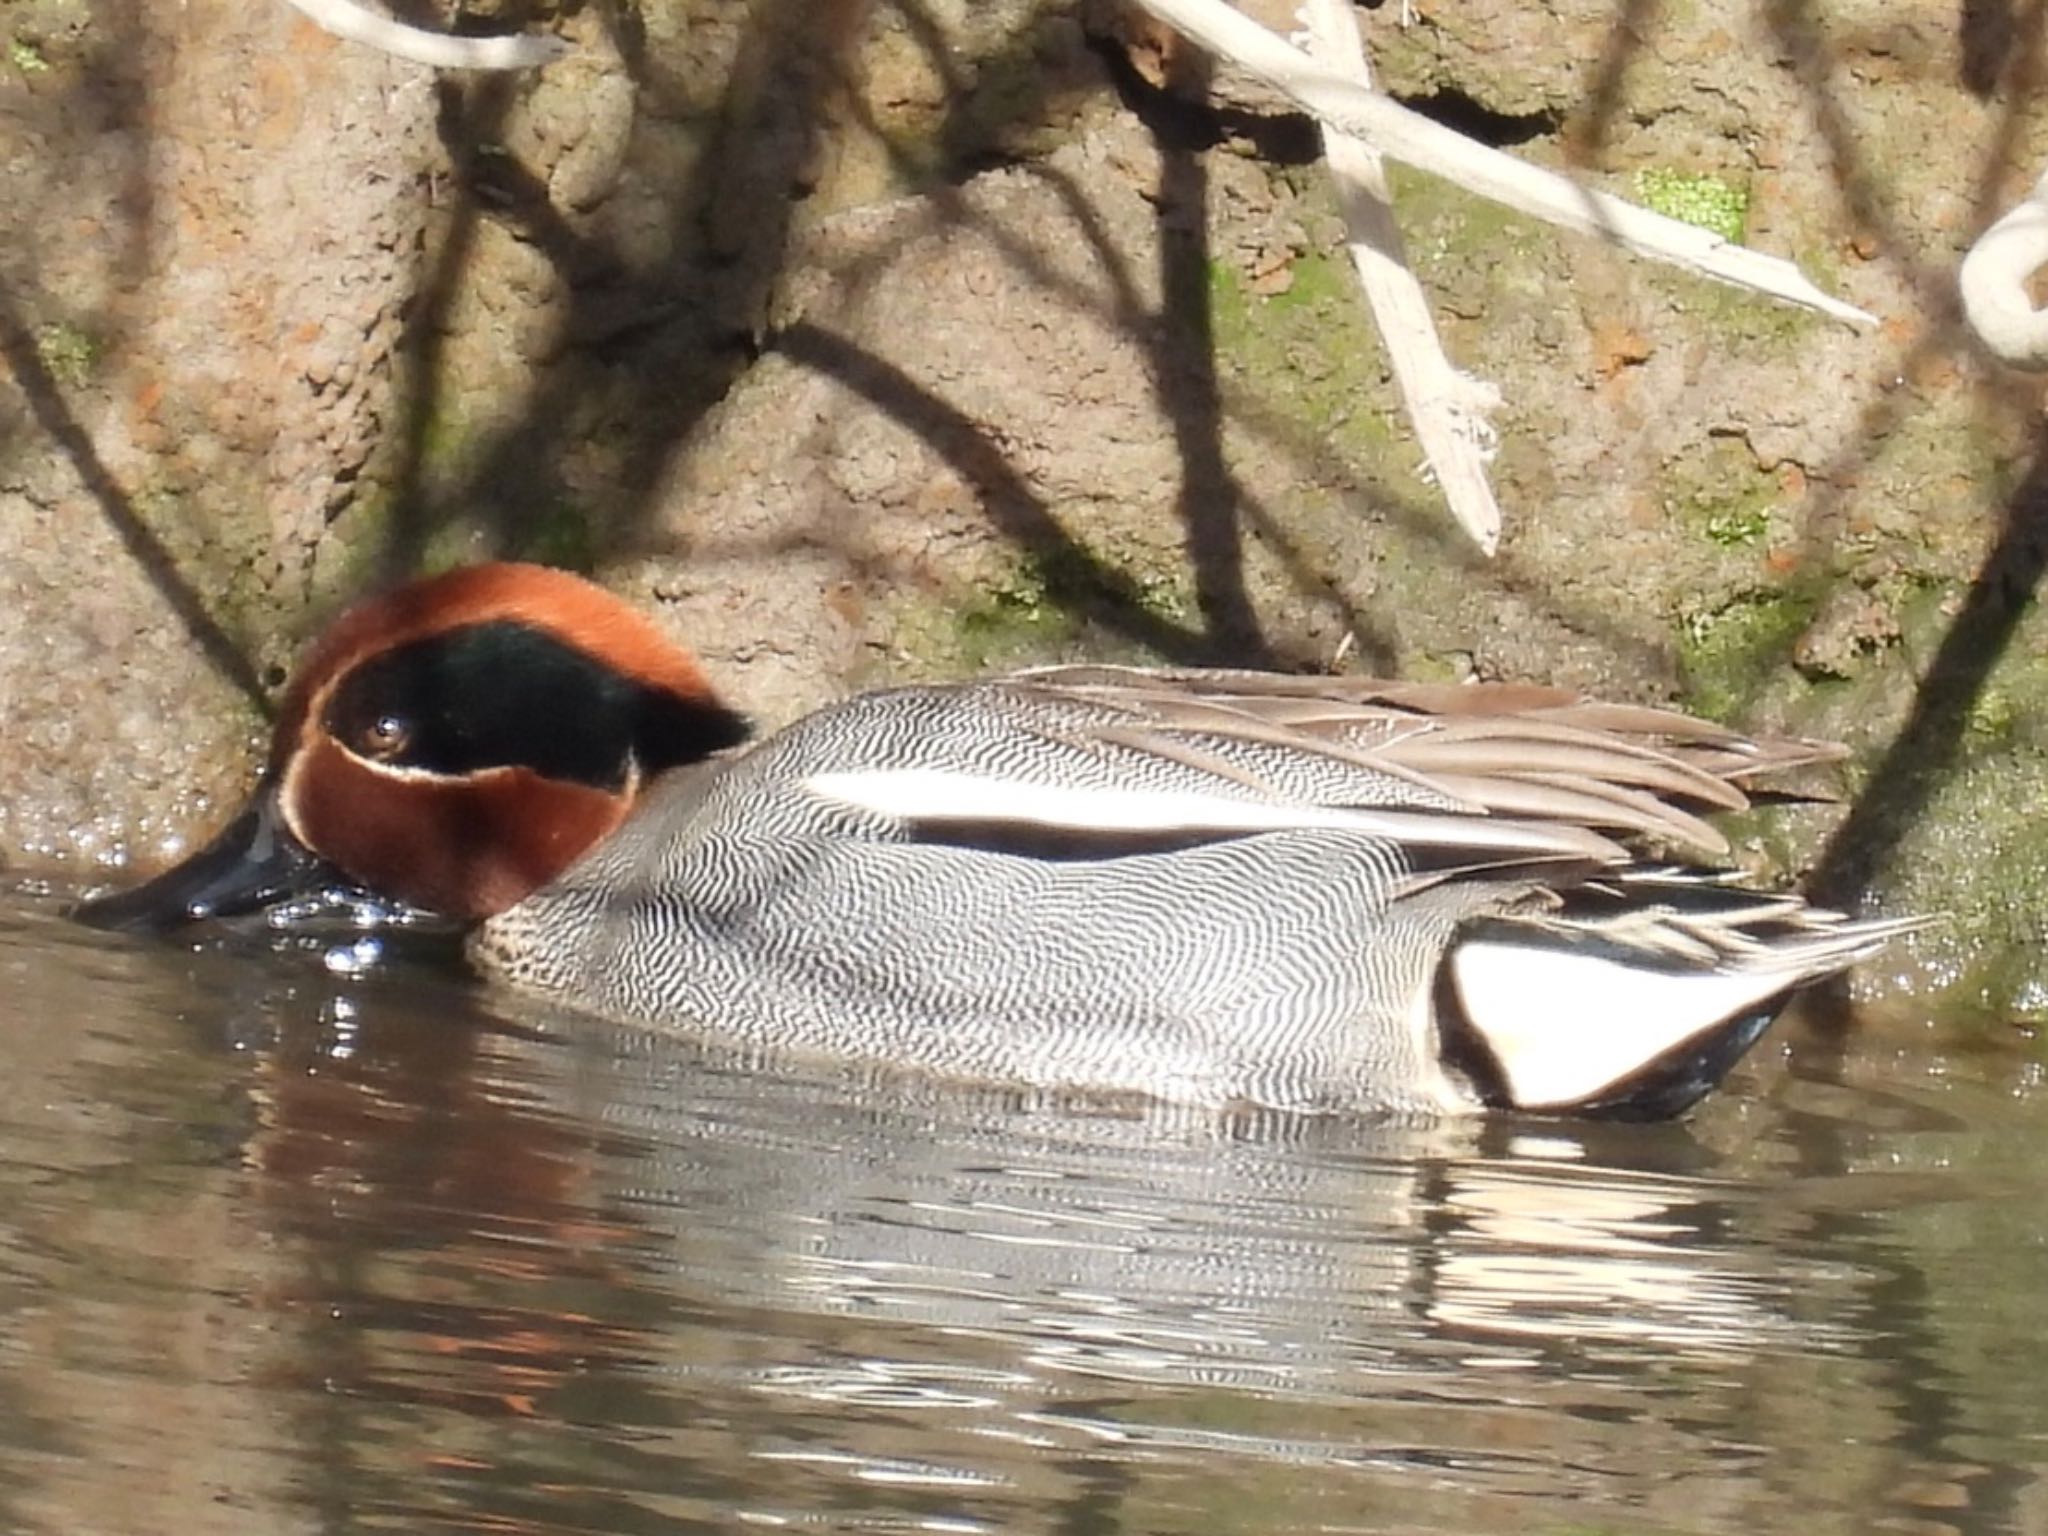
[{"x": 287, "y": 1250}]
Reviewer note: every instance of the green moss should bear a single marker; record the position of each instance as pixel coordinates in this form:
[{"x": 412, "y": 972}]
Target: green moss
[
  {"x": 1309, "y": 354},
  {"x": 214, "y": 546},
  {"x": 1042, "y": 607},
  {"x": 1436, "y": 667},
  {"x": 1738, "y": 527},
  {"x": 1823, "y": 264},
  {"x": 26, "y": 57},
  {"x": 1230, "y": 305},
  {"x": 1444, "y": 222},
  {"x": 1079, "y": 586},
  {"x": 1009, "y": 621},
  {"x": 1929, "y": 457},
  {"x": 69, "y": 353},
  {"x": 1719, "y": 493},
  {"x": 1722, "y": 208},
  {"x": 1993, "y": 716},
  {"x": 1729, "y": 654},
  {"x": 1707, "y": 202},
  {"x": 560, "y": 535},
  {"x": 1744, "y": 322},
  {"x": 1979, "y": 858},
  {"x": 1968, "y": 843},
  {"x": 1318, "y": 281},
  {"x": 447, "y": 437}
]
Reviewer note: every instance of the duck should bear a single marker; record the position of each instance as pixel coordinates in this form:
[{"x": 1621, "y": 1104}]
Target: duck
[{"x": 1212, "y": 887}]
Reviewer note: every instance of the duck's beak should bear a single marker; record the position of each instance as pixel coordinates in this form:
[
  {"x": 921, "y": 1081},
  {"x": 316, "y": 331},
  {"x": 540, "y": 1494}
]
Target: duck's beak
[{"x": 254, "y": 863}]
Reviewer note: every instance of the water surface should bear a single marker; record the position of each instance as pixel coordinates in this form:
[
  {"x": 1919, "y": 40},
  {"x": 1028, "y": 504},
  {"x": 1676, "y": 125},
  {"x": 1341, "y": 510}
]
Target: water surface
[{"x": 288, "y": 1250}]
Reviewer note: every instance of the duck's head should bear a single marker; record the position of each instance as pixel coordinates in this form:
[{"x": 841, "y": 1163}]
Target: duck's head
[{"x": 452, "y": 745}]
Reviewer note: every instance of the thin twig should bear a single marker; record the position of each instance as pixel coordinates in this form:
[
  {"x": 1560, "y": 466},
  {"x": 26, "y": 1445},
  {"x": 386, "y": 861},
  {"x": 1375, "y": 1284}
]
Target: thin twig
[
  {"x": 1413, "y": 139},
  {"x": 346, "y": 19},
  {"x": 1449, "y": 408}
]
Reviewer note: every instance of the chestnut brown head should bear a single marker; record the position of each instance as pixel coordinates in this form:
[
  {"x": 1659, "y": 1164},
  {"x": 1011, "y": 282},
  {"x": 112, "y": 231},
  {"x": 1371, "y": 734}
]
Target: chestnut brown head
[{"x": 452, "y": 745}]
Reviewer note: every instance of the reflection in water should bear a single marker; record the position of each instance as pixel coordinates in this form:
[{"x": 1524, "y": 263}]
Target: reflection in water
[{"x": 284, "y": 1250}]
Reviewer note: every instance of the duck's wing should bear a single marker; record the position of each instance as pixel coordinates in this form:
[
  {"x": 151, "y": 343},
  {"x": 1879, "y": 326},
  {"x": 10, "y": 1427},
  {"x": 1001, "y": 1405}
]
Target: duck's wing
[
  {"x": 1495, "y": 749},
  {"x": 1093, "y": 760}
]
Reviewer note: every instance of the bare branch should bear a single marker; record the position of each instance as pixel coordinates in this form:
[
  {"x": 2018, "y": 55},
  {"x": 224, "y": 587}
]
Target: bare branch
[
  {"x": 1449, "y": 408},
  {"x": 1407, "y": 136},
  {"x": 347, "y": 19}
]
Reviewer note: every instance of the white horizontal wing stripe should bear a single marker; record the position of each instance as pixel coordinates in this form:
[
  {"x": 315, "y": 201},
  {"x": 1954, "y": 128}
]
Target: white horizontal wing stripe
[{"x": 936, "y": 795}]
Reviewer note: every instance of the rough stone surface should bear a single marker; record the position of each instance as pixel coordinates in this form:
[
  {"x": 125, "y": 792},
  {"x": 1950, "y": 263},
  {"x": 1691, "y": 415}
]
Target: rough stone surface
[
  {"x": 635, "y": 210},
  {"x": 869, "y": 341},
  {"x": 214, "y": 227}
]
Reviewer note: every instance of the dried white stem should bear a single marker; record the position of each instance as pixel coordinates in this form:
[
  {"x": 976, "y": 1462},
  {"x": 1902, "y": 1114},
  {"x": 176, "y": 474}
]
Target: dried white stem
[
  {"x": 1449, "y": 408},
  {"x": 1413, "y": 139},
  {"x": 349, "y": 20},
  {"x": 1993, "y": 280}
]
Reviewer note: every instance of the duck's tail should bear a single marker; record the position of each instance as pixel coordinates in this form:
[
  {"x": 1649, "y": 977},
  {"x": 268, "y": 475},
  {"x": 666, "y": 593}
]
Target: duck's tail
[{"x": 1637, "y": 993}]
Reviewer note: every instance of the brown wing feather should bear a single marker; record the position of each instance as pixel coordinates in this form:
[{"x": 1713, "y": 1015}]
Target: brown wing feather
[{"x": 1515, "y": 750}]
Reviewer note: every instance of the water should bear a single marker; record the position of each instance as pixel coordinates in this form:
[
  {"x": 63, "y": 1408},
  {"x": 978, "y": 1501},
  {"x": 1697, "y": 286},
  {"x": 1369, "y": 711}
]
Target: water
[{"x": 283, "y": 1250}]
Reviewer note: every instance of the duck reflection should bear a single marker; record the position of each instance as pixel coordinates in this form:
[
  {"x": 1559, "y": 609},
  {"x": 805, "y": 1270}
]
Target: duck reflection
[{"x": 786, "y": 1282}]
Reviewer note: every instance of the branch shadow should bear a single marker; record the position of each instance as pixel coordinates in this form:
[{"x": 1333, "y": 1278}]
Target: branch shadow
[
  {"x": 1929, "y": 746},
  {"x": 1802, "y": 39},
  {"x": 656, "y": 327},
  {"x": 519, "y": 470},
  {"x": 461, "y": 122},
  {"x": 1631, "y": 30},
  {"x": 519, "y": 476},
  {"x": 1009, "y": 499},
  {"x": 46, "y": 404},
  {"x": 1215, "y": 507},
  {"x": 1184, "y": 373}
]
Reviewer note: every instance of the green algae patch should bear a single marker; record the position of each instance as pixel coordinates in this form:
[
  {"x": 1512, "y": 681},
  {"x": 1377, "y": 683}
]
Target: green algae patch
[
  {"x": 1302, "y": 362},
  {"x": 1705, "y": 201},
  {"x": 1727, "y": 312},
  {"x": 1746, "y": 323},
  {"x": 1941, "y": 809},
  {"x": 1941, "y": 812},
  {"x": 1010, "y": 621},
  {"x": 560, "y": 533},
  {"x": 1719, "y": 494},
  {"x": 26, "y": 57},
  {"x": 1307, "y": 355},
  {"x": 71, "y": 355},
  {"x": 1975, "y": 857},
  {"x": 1994, "y": 718},
  {"x": 1043, "y": 607},
  {"x": 1738, "y": 526},
  {"x": 1976, "y": 852},
  {"x": 1445, "y": 225},
  {"x": 1729, "y": 656}
]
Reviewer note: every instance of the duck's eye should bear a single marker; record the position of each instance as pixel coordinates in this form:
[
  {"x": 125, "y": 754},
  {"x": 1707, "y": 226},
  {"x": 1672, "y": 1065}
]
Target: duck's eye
[{"x": 385, "y": 736}]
